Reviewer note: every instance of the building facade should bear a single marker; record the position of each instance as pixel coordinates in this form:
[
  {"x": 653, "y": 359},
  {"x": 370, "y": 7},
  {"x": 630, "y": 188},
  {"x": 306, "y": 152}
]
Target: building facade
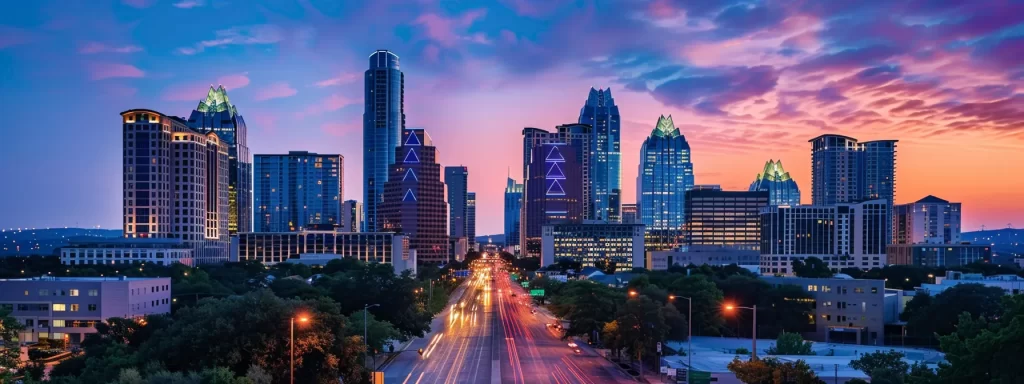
[
  {"x": 725, "y": 219},
  {"x": 662, "y": 260},
  {"x": 602, "y": 115},
  {"x": 383, "y": 122},
  {"x": 553, "y": 192},
  {"x": 782, "y": 189},
  {"x": 842, "y": 235},
  {"x": 216, "y": 114},
  {"x": 665, "y": 174},
  {"x": 591, "y": 242},
  {"x": 1012, "y": 284},
  {"x": 938, "y": 255},
  {"x": 930, "y": 220},
  {"x": 298, "y": 190},
  {"x": 846, "y": 311},
  {"x": 68, "y": 308},
  {"x": 628, "y": 214},
  {"x": 471, "y": 220},
  {"x": 456, "y": 179},
  {"x": 293, "y": 247},
  {"x": 351, "y": 216},
  {"x": 175, "y": 184},
  {"x": 92, "y": 251},
  {"x": 414, "y": 198},
  {"x": 513, "y": 215},
  {"x": 844, "y": 170}
]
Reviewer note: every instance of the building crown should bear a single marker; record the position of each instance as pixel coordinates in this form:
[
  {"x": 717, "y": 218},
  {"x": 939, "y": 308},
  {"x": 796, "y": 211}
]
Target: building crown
[{"x": 217, "y": 101}]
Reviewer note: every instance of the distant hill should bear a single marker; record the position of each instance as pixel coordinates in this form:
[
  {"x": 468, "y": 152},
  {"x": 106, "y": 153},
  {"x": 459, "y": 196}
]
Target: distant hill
[
  {"x": 496, "y": 239},
  {"x": 1006, "y": 240},
  {"x": 45, "y": 241}
]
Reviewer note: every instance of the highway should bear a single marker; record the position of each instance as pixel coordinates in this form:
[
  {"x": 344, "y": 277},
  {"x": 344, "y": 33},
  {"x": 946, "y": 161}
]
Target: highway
[{"x": 487, "y": 335}]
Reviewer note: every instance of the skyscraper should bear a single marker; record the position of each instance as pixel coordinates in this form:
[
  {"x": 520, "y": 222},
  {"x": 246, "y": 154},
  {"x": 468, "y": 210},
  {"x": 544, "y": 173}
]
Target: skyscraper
[
  {"x": 629, "y": 214},
  {"x": 456, "y": 178},
  {"x": 414, "y": 198},
  {"x": 576, "y": 136},
  {"x": 513, "y": 205},
  {"x": 844, "y": 170},
  {"x": 782, "y": 189},
  {"x": 665, "y": 174},
  {"x": 605, "y": 191},
  {"x": 471, "y": 219},
  {"x": 728, "y": 220},
  {"x": 351, "y": 216},
  {"x": 217, "y": 114},
  {"x": 175, "y": 183},
  {"x": 300, "y": 190},
  {"x": 930, "y": 220},
  {"x": 553, "y": 192},
  {"x": 579, "y": 137},
  {"x": 383, "y": 122}
]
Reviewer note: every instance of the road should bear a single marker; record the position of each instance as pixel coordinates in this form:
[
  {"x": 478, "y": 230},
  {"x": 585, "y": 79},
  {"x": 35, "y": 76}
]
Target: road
[{"x": 487, "y": 335}]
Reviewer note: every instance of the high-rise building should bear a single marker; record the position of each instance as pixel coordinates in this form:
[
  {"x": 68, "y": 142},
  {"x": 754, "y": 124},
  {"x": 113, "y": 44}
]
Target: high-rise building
[
  {"x": 217, "y": 114},
  {"x": 665, "y": 174},
  {"x": 456, "y": 179},
  {"x": 578, "y": 136},
  {"x": 553, "y": 191},
  {"x": 930, "y": 220},
  {"x": 575, "y": 136},
  {"x": 351, "y": 216},
  {"x": 414, "y": 198},
  {"x": 629, "y": 214},
  {"x": 175, "y": 183},
  {"x": 616, "y": 244},
  {"x": 471, "y": 219},
  {"x": 605, "y": 192},
  {"x": 844, "y": 235},
  {"x": 844, "y": 170},
  {"x": 718, "y": 219},
  {"x": 782, "y": 189},
  {"x": 300, "y": 190},
  {"x": 383, "y": 122},
  {"x": 513, "y": 215},
  {"x": 937, "y": 255}
]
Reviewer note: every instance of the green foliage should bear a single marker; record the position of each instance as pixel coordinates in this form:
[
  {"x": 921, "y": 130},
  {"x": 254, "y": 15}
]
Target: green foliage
[
  {"x": 857, "y": 381},
  {"x": 742, "y": 351},
  {"x": 790, "y": 343},
  {"x": 939, "y": 315},
  {"x": 707, "y": 303},
  {"x": 984, "y": 350},
  {"x": 921, "y": 374},
  {"x": 378, "y": 332},
  {"x": 641, "y": 324},
  {"x": 587, "y": 306},
  {"x": 773, "y": 371},
  {"x": 889, "y": 361},
  {"x": 811, "y": 267},
  {"x": 9, "y": 351}
]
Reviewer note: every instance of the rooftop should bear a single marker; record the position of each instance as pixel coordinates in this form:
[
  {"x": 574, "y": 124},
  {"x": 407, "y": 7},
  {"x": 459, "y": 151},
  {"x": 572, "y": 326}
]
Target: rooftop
[{"x": 83, "y": 279}]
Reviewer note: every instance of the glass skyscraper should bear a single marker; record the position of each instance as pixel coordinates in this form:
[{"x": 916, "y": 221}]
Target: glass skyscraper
[
  {"x": 513, "y": 204},
  {"x": 471, "y": 219},
  {"x": 844, "y": 170},
  {"x": 217, "y": 114},
  {"x": 782, "y": 189},
  {"x": 605, "y": 190},
  {"x": 665, "y": 174},
  {"x": 300, "y": 190},
  {"x": 456, "y": 178},
  {"x": 383, "y": 122}
]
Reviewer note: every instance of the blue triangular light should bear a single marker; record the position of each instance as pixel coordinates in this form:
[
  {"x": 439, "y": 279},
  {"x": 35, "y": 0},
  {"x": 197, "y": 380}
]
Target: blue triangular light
[
  {"x": 555, "y": 172},
  {"x": 409, "y": 196},
  {"x": 410, "y": 172},
  {"x": 555, "y": 189},
  {"x": 554, "y": 155},
  {"x": 411, "y": 157},
  {"x": 413, "y": 139}
]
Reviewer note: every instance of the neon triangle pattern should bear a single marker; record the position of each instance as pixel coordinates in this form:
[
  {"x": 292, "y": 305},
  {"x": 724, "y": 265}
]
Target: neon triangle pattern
[
  {"x": 411, "y": 157},
  {"x": 555, "y": 189},
  {"x": 409, "y": 196},
  {"x": 555, "y": 172},
  {"x": 409, "y": 172},
  {"x": 554, "y": 155},
  {"x": 413, "y": 139}
]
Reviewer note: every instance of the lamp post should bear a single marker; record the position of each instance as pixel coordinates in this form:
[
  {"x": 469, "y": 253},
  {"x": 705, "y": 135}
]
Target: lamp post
[
  {"x": 689, "y": 330},
  {"x": 730, "y": 307},
  {"x": 366, "y": 342},
  {"x": 291, "y": 343}
]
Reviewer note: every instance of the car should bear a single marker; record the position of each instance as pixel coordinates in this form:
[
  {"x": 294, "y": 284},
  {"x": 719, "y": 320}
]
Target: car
[
  {"x": 513, "y": 295},
  {"x": 578, "y": 351},
  {"x": 572, "y": 345}
]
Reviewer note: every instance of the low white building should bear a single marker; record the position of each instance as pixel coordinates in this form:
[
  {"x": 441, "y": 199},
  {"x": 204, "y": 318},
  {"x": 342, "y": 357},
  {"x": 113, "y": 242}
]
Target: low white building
[
  {"x": 92, "y": 251},
  {"x": 1012, "y": 284},
  {"x": 316, "y": 247}
]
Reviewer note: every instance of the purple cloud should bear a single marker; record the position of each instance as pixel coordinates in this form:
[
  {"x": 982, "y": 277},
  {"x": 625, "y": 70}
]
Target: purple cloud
[
  {"x": 95, "y": 47},
  {"x": 709, "y": 93},
  {"x": 275, "y": 91},
  {"x": 100, "y": 71}
]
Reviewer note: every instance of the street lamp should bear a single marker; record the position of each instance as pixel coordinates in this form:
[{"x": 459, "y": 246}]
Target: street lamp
[
  {"x": 730, "y": 307},
  {"x": 302, "y": 319},
  {"x": 689, "y": 331},
  {"x": 633, "y": 293},
  {"x": 366, "y": 342}
]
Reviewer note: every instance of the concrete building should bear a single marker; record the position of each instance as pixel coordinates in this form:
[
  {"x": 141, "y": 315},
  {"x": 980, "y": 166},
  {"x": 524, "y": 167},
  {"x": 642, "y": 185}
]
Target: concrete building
[
  {"x": 351, "y": 216},
  {"x": 68, "y": 308},
  {"x": 383, "y": 123},
  {"x": 1012, "y": 284},
  {"x": 458, "y": 247},
  {"x": 175, "y": 184},
  {"x": 513, "y": 215},
  {"x": 844, "y": 170},
  {"x": 847, "y": 311},
  {"x": 930, "y": 220},
  {"x": 553, "y": 192},
  {"x": 937, "y": 255},
  {"x": 724, "y": 219},
  {"x": 297, "y": 191},
  {"x": 629, "y": 214},
  {"x": 95, "y": 251},
  {"x": 842, "y": 235},
  {"x": 414, "y": 198},
  {"x": 661, "y": 260},
  {"x": 589, "y": 242},
  {"x": 577, "y": 137},
  {"x": 292, "y": 247}
]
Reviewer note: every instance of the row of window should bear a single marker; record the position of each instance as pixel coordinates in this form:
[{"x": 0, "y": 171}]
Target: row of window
[
  {"x": 64, "y": 292},
  {"x": 45, "y": 307}
]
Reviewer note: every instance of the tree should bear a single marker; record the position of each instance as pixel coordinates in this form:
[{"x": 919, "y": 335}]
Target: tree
[
  {"x": 790, "y": 343},
  {"x": 773, "y": 371},
  {"x": 641, "y": 325},
  {"x": 707, "y": 303},
  {"x": 10, "y": 352},
  {"x": 587, "y": 307},
  {"x": 940, "y": 316},
  {"x": 984, "y": 350},
  {"x": 378, "y": 332},
  {"x": 880, "y": 361},
  {"x": 811, "y": 267}
]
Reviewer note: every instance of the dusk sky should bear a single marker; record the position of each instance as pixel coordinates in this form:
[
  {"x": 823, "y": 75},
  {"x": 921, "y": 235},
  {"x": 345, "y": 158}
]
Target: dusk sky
[{"x": 746, "y": 81}]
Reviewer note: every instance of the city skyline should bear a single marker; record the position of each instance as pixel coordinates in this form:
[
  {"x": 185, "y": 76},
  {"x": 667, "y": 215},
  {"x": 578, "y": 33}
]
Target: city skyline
[{"x": 740, "y": 91}]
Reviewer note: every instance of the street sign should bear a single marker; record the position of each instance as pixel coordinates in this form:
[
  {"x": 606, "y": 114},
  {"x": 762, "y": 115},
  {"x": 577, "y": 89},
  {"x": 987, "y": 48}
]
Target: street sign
[
  {"x": 525, "y": 284},
  {"x": 699, "y": 377},
  {"x": 462, "y": 273},
  {"x": 664, "y": 370},
  {"x": 536, "y": 292},
  {"x": 671, "y": 371},
  {"x": 659, "y": 347}
]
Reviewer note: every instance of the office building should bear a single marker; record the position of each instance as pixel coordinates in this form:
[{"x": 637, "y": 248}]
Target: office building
[
  {"x": 844, "y": 170},
  {"x": 471, "y": 220},
  {"x": 456, "y": 179},
  {"x": 662, "y": 260},
  {"x": 843, "y": 236},
  {"x": 577, "y": 136},
  {"x": 383, "y": 123},
  {"x": 513, "y": 215},
  {"x": 216, "y": 114},
  {"x": 414, "y": 198},
  {"x": 351, "y": 216},
  {"x": 724, "y": 219},
  {"x": 628, "y": 214},
  {"x": 593, "y": 241},
  {"x": 457, "y": 248},
  {"x": 553, "y": 192},
  {"x": 175, "y": 184},
  {"x": 319, "y": 247},
  {"x": 68, "y": 308},
  {"x": 665, "y": 174},
  {"x": 782, "y": 189},
  {"x": 846, "y": 311},
  {"x": 95, "y": 251},
  {"x": 605, "y": 192},
  {"x": 1011, "y": 284},
  {"x": 938, "y": 255},
  {"x": 930, "y": 220},
  {"x": 298, "y": 190}
]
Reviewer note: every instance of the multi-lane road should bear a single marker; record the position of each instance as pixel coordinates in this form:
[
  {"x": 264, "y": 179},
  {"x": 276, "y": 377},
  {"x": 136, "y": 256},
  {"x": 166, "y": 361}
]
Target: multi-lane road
[{"x": 490, "y": 334}]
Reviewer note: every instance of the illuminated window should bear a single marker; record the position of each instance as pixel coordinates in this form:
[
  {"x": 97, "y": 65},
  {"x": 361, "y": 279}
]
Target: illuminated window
[
  {"x": 59, "y": 307},
  {"x": 74, "y": 292}
]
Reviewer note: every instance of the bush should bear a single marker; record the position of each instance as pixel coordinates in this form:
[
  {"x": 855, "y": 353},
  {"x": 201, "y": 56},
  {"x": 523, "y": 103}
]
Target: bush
[{"x": 742, "y": 351}]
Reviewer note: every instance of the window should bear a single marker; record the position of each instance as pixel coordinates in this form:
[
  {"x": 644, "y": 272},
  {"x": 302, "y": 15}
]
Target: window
[
  {"x": 74, "y": 292},
  {"x": 44, "y": 292},
  {"x": 23, "y": 307},
  {"x": 59, "y": 307},
  {"x": 74, "y": 307},
  {"x": 858, "y": 290},
  {"x": 92, "y": 307},
  {"x": 44, "y": 323},
  {"x": 26, "y": 292},
  {"x": 30, "y": 322},
  {"x": 874, "y": 289},
  {"x": 58, "y": 323}
]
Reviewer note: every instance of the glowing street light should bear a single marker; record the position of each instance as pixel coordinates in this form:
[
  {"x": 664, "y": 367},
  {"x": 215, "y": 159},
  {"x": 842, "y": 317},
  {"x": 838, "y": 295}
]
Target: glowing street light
[
  {"x": 302, "y": 319},
  {"x": 730, "y": 308}
]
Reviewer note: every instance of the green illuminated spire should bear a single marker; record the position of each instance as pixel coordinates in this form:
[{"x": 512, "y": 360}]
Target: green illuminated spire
[
  {"x": 773, "y": 171},
  {"x": 665, "y": 127},
  {"x": 217, "y": 101}
]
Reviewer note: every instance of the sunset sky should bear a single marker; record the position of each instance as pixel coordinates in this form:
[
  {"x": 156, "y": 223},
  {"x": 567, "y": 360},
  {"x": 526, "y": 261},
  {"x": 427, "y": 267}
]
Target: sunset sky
[{"x": 745, "y": 81}]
